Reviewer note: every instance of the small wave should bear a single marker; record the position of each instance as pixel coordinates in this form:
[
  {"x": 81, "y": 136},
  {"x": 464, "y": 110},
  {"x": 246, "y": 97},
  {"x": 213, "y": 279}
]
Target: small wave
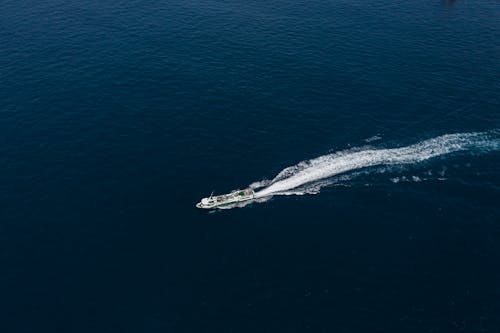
[
  {"x": 373, "y": 138},
  {"x": 414, "y": 179}
]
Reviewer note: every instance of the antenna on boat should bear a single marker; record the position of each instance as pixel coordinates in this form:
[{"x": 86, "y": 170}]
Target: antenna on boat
[{"x": 211, "y": 194}]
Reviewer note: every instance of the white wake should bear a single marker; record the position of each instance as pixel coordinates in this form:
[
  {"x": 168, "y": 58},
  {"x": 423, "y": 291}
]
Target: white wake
[{"x": 311, "y": 175}]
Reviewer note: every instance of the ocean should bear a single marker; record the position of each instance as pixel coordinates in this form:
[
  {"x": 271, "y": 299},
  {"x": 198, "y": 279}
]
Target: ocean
[{"x": 371, "y": 131}]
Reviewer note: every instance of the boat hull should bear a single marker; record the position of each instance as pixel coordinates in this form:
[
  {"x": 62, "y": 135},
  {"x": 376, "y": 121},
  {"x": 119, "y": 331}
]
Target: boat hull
[{"x": 226, "y": 204}]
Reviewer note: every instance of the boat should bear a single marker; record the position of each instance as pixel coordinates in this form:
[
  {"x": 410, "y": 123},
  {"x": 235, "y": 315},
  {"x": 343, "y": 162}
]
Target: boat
[{"x": 226, "y": 199}]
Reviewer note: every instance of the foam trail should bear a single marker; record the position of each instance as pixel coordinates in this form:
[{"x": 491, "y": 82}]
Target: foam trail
[
  {"x": 259, "y": 184},
  {"x": 293, "y": 179}
]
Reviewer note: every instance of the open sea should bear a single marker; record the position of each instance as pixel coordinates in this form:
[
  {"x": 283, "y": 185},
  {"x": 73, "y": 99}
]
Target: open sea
[{"x": 370, "y": 131}]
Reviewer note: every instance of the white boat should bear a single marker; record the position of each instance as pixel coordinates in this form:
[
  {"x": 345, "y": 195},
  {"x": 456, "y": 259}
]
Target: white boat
[{"x": 226, "y": 199}]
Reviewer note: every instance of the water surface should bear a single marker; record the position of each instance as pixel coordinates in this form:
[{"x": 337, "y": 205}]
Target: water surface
[{"x": 116, "y": 117}]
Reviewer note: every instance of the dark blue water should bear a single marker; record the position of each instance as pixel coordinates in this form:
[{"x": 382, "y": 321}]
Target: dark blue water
[{"x": 116, "y": 117}]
